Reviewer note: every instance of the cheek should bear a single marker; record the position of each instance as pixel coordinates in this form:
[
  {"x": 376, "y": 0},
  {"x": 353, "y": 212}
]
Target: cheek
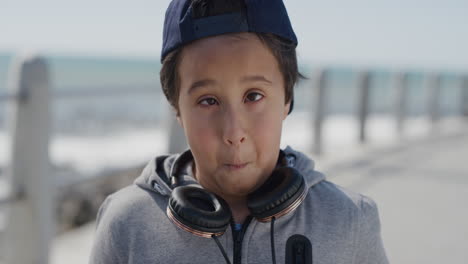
[
  {"x": 267, "y": 131},
  {"x": 200, "y": 134}
]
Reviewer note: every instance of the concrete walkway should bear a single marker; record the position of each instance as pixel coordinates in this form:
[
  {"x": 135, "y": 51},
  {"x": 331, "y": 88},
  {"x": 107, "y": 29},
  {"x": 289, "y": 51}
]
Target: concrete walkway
[
  {"x": 73, "y": 247},
  {"x": 421, "y": 189}
]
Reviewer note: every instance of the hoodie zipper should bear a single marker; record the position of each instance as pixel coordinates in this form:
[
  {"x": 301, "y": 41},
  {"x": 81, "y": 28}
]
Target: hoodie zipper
[{"x": 238, "y": 236}]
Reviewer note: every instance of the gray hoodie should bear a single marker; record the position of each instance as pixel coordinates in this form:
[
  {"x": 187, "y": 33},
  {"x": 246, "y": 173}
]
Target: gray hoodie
[{"x": 132, "y": 226}]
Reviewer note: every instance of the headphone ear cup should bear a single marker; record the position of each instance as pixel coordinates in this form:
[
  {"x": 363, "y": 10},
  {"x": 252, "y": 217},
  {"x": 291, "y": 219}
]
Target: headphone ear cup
[
  {"x": 198, "y": 211},
  {"x": 280, "y": 194}
]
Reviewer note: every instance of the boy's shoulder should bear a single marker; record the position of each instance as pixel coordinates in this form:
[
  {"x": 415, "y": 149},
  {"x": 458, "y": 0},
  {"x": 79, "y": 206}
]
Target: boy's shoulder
[
  {"x": 341, "y": 207},
  {"x": 130, "y": 205},
  {"x": 326, "y": 192},
  {"x": 331, "y": 193}
]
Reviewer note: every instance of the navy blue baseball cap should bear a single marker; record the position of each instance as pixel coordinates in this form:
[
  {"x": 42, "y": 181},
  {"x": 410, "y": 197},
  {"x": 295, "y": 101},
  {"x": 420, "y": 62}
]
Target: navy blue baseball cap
[{"x": 260, "y": 16}]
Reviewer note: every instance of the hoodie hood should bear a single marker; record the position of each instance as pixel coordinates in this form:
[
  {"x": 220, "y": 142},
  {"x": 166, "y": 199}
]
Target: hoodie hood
[{"x": 155, "y": 176}]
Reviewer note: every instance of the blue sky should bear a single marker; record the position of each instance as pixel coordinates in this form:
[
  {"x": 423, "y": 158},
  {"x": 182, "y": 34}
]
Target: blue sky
[{"x": 408, "y": 33}]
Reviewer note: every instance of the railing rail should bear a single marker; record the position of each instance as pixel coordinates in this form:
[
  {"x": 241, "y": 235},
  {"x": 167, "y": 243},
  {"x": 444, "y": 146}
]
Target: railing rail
[
  {"x": 87, "y": 91},
  {"x": 10, "y": 196},
  {"x": 7, "y": 97},
  {"x": 72, "y": 92}
]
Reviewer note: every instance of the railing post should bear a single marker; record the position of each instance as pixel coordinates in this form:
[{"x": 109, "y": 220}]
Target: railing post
[
  {"x": 434, "y": 86},
  {"x": 319, "y": 108},
  {"x": 464, "y": 97},
  {"x": 363, "y": 103},
  {"x": 401, "y": 88},
  {"x": 29, "y": 228}
]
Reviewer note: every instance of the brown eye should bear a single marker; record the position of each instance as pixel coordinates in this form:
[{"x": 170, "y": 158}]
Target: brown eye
[
  {"x": 208, "y": 101},
  {"x": 252, "y": 97}
]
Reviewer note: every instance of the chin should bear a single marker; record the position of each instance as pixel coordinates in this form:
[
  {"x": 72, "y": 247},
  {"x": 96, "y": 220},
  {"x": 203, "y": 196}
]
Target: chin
[
  {"x": 241, "y": 187},
  {"x": 239, "y": 190}
]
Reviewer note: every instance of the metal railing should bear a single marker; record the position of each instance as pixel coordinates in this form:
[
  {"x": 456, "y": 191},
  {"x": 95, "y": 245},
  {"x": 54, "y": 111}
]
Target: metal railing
[
  {"x": 401, "y": 86},
  {"x": 8, "y": 97},
  {"x": 29, "y": 194}
]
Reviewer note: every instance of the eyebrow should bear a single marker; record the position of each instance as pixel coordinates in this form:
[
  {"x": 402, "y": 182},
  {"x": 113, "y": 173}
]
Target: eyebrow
[
  {"x": 256, "y": 78},
  {"x": 207, "y": 82},
  {"x": 199, "y": 84}
]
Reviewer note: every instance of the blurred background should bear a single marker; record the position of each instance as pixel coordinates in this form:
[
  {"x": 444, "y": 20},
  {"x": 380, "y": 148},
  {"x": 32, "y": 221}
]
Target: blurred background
[{"x": 384, "y": 112}]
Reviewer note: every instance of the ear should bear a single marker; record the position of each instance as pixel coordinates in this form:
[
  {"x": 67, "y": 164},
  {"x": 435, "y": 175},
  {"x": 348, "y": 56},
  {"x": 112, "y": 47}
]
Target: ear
[
  {"x": 179, "y": 120},
  {"x": 286, "y": 109},
  {"x": 177, "y": 116}
]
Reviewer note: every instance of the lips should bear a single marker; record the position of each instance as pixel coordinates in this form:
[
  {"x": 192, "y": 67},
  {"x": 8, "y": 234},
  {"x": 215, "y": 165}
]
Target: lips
[{"x": 236, "y": 166}]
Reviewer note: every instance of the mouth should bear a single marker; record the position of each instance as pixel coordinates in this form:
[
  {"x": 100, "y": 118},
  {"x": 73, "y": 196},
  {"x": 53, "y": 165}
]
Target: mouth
[{"x": 236, "y": 166}]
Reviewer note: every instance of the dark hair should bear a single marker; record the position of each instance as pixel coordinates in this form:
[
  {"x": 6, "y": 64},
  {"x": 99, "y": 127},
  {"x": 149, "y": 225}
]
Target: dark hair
[{"x": 282, "y": 49}]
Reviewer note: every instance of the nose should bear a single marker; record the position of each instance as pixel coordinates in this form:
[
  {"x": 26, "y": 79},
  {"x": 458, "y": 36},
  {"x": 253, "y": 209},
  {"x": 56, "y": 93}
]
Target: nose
[
  {"x": 234, "y": 133},
  {"x": 235, "y": 141}
]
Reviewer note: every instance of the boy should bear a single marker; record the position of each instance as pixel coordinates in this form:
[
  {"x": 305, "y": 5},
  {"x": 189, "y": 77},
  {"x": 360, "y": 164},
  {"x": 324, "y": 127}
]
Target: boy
[{"x": 229, "y": 67}]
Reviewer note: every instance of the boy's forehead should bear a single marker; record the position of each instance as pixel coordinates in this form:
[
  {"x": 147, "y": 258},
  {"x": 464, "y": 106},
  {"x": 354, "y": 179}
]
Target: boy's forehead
[
  {"x": 223, "y": 51},
  {"x": 223, "y": 42}
]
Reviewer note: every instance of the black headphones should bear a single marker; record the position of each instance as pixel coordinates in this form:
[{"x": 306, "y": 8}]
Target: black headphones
[{"x": 205, "y": 214}]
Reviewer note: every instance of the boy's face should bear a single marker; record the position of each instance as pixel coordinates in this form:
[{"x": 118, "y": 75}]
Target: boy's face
[{"x": 231, "y": 105}]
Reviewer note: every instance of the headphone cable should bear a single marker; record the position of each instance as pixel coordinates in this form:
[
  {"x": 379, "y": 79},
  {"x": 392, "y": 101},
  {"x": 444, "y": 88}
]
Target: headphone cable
[
  {"x": 221, "y": 248},
  {"x": 272, "y": 232}
]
